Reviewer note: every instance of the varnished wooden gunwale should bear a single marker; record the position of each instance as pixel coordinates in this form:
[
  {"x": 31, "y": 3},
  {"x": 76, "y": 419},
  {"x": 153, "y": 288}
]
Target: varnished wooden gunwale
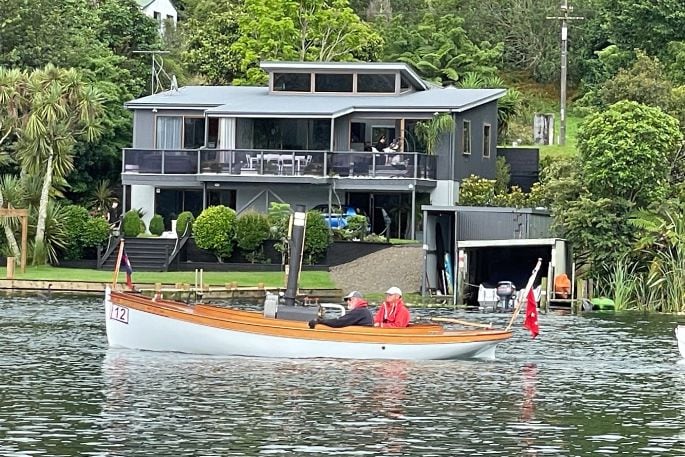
[{"x": 236, "y": 321}]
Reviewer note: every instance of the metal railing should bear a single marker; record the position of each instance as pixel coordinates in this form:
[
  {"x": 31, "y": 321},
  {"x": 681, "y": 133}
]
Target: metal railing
[{"x": 272, "y": 162}]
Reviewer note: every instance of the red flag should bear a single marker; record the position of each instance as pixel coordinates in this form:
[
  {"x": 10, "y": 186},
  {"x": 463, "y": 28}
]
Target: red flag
[{"x": 531, "y": 320}]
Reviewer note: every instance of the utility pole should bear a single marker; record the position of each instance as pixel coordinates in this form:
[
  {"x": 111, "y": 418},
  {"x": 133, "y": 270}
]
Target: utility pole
[
  {"x": 155, "y": 71},
  {"x": 564, "y": 18}
]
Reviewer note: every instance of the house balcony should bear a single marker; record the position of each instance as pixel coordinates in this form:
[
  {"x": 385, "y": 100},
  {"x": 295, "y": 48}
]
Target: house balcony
[{"x": 281, "y": 163}]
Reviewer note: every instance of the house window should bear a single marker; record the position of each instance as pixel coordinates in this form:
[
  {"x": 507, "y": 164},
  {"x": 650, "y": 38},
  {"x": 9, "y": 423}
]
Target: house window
[
  {"x": 176, "y": 132},
  {"x": 193, "y": 132},
  {"x": 376, "y": 83},
  {"x": 169, "y": 134},
  {"x": 466, "y": 138},
  {"x": 292, "y": 82},
  {"x": 158, "y": 16},
  {"x": 486, "y": 140},
  {"x": 330, "y": 82}
]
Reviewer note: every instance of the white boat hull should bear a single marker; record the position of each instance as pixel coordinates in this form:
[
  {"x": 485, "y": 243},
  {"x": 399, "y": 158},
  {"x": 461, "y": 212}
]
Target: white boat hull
[
  {"x": 134, "y": 329},
  {"x": 680, "y": 335}
]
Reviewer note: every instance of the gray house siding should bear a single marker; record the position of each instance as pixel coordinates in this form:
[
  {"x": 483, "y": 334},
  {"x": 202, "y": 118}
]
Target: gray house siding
[
  {"x": 341, "y": 136},
  {"x": 144, "y": 125},
  {"x": 259, "y": 197},
  {"x": 474, "y": 163}
]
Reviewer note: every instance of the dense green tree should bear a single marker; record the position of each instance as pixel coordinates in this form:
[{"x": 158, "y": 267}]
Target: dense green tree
[
  {"x": 644, "y": 24},
  {"x": 643, "y": 82},
  {"x": 208, "y": 51},
  {"x": 627, "y": 152},
  {"x": 228, "y": 45},
  {"x": 440, "y": 49}
]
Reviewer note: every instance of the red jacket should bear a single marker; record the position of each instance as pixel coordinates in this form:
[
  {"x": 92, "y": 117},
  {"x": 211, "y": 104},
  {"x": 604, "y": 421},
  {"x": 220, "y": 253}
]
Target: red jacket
[{"x": 396, "y": 316}]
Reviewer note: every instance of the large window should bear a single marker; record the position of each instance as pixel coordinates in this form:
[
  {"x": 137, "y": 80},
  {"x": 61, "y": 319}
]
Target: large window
[
  {"x": 168, "y": 134},
  {"x": 330, "y": 82},
  {"x": 177, "y": 132},
  {"x": 289, "y": 134},
  {"x": 193, "y": 132},
  {"x": 376, "y": 83},
  {"x": 486, "y": 140},
  {"x": 293, "y": 82},
  {"x": 466, "y": 138}
]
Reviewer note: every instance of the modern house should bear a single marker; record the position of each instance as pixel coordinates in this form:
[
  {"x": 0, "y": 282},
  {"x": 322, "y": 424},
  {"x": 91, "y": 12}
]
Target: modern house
[
  {"x": 310, "y": 137},
  {"x": 160, "y": 11}
]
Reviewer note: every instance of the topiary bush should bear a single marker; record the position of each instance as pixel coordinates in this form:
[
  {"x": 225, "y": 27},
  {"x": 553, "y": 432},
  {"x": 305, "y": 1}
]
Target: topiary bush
[
  {"x": 252, "y": 229},
  {"x": 157, "y": 225},
  {"x": 132, "y": 225},
  {"x": 214, "y": 230},
  {"x": 317, "y": 238},
  {"x": 185, "y": 219},
  {"x": 357, "y": 227}
]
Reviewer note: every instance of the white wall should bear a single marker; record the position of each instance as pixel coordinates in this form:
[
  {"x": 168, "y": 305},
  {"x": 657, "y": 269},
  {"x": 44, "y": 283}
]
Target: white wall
[
  {"x": 164, "y": 8},
  {"x": 143, "y": 197},
  {"x": 446, "y": 193}
]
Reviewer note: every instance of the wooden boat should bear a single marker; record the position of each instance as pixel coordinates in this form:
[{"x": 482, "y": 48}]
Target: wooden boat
[
  {"x": 680, "y": 335},
  {"x": 138, "y": 322}
]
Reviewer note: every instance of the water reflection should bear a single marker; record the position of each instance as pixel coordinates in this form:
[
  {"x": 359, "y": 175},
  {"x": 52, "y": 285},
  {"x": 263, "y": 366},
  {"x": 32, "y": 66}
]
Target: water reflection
[{"x": 599, "y": 384}]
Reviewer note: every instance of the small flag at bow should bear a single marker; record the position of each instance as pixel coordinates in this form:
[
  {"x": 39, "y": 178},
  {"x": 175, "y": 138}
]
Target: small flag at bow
[
  {"x": 126, "y": 265},
  {"x": 531, "y": 320}
]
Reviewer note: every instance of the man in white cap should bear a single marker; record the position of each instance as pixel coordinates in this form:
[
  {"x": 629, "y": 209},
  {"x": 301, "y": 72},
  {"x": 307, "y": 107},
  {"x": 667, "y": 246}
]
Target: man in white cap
[
  {"x": 358, "y": 313},
  {"x": 392, "y": 313}
]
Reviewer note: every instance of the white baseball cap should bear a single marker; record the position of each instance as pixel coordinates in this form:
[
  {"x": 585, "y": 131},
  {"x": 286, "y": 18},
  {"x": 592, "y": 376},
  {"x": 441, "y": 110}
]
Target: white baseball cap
[{"x": 394, "y": 290}]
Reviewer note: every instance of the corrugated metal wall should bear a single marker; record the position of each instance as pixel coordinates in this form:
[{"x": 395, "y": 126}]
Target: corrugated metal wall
[{"x": 480, "y": 225}]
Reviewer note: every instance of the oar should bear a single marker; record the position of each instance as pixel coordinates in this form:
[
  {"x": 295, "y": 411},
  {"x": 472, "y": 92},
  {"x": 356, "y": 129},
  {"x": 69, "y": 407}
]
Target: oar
[{"x": 458, "y": 321}]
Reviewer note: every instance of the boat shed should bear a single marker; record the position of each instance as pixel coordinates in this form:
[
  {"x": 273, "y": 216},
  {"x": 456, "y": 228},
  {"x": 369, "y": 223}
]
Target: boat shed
[{"x": 467, "y": 246}]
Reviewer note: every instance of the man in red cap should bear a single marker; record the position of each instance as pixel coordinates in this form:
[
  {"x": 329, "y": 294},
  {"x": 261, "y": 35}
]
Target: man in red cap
[
  {"x": 358, "y": 313},
  {"x": 392, "y": 313}
]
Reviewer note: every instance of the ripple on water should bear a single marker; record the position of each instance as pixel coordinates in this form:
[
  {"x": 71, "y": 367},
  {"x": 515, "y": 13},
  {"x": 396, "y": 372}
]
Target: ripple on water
[{"x": 601, "y": 384}]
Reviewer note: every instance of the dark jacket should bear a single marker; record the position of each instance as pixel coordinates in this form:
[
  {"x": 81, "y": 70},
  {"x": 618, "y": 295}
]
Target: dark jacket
[{"x": 358, "y": 316}]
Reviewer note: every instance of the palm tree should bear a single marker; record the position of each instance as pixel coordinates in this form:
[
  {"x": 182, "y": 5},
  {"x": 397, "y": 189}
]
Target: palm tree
[
  {"x": 431, "y": 130},
  {"x": 102, "y": 198},
  {"x": 58, "y": 109},
  {"x": 12, "y": 194}
]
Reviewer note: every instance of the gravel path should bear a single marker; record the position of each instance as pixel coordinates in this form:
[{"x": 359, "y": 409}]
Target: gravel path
[{"x": 400, "y": 266}]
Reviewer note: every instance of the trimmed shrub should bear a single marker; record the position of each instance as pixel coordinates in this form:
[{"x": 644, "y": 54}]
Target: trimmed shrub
[
  {"x": 75, "y": 222},
  {"x": 252, "y": 229},
  {"x": 357, "y": 227},
  {"x": 96, "y": 232},
  {"x": 214, "y": 230},
  {"x": 157, "y": 225},
  {"x": 132, "y": 225},
  {"x": 317, "y": 238},
  {"x": 185, "y": 219}
]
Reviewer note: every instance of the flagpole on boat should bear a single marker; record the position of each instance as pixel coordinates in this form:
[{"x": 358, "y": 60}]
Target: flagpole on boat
[
  {"x": 118, "y": 263},
  {"x": 296, "y": 246},
  {"x": 524, "y": 296}
]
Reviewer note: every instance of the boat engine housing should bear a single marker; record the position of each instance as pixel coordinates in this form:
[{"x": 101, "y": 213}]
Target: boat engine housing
[{"x": 506, "y": 291}]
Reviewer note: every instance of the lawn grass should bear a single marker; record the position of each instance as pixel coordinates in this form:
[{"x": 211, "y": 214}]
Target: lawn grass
[
  {"x": 568, "y": 149},
  {"x": 308, "y": 279}
]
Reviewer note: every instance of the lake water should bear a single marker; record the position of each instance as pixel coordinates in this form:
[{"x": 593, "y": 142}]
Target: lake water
[{"x": 600, "y": 384}]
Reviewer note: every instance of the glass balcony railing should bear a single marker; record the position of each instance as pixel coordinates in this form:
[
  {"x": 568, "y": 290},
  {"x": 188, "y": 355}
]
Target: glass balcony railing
[{"x": 265, "y": 162}]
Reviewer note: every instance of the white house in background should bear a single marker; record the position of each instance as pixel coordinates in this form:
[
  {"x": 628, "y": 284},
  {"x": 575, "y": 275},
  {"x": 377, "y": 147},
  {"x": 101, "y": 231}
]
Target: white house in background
[{"x": 160, "y": 11}]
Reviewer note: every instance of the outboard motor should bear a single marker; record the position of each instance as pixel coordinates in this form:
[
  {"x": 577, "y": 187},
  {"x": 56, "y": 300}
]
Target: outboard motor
[{"x": 506, "y": 291}]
